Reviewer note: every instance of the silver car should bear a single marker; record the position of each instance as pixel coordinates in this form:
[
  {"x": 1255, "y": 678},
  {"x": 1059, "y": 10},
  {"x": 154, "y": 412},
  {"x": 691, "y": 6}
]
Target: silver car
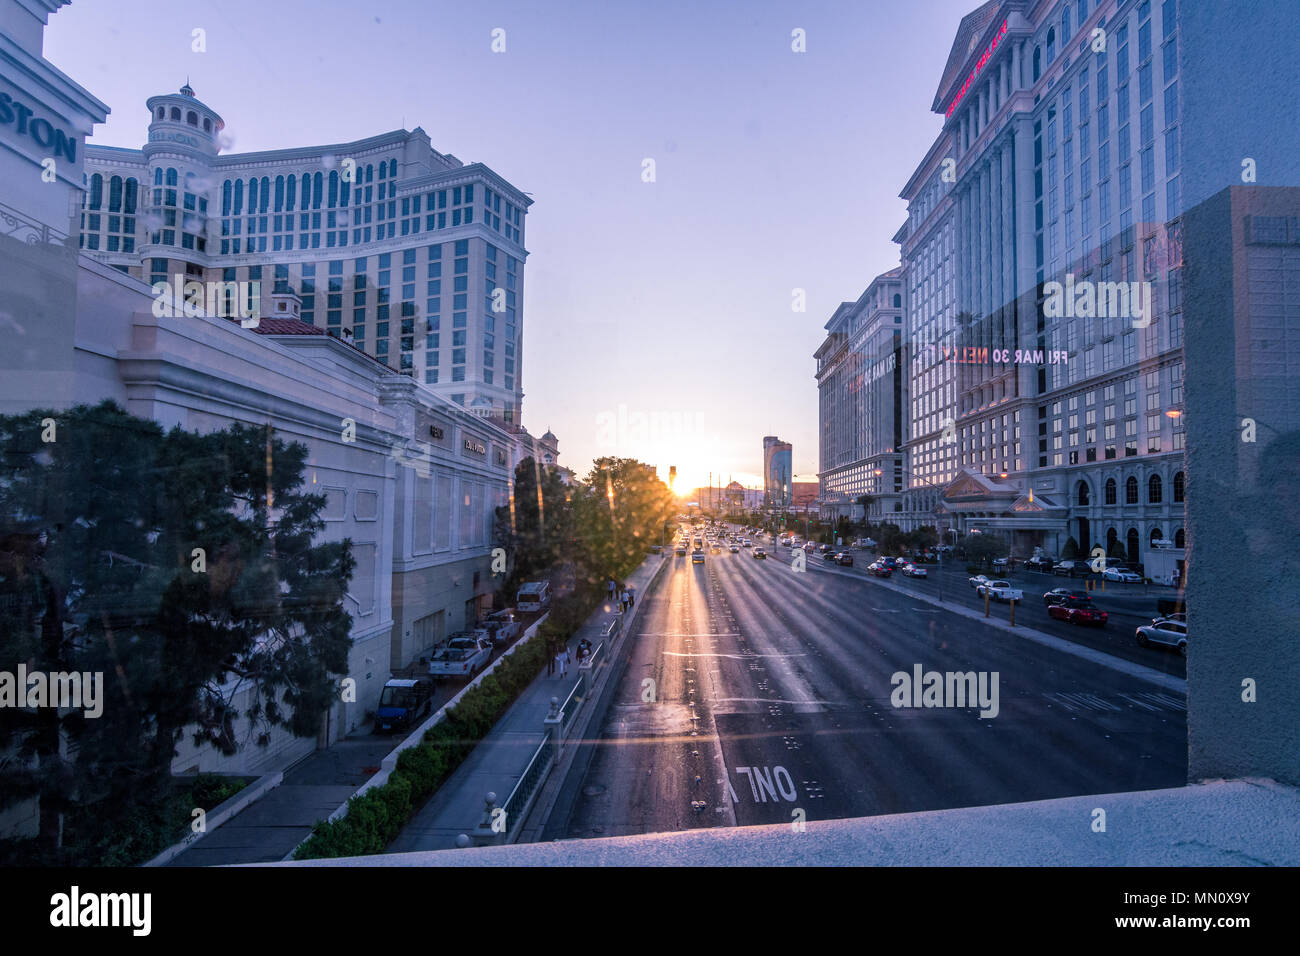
[{"x": 1166, "y": 632}]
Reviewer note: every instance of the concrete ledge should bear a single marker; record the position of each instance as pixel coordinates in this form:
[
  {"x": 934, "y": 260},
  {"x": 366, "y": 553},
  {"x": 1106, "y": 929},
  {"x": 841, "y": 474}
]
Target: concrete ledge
[
  {"x": 1219, "y": 823},
  {"x": 220, "y": 814}
]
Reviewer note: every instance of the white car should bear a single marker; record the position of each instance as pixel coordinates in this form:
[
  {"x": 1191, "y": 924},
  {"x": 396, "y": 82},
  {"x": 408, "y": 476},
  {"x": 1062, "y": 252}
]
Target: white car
[
  {"x": 1123, "y": 575},
  {"x": 978, "y": 581},
  {"x": 1000, "y": 591},
  {"x": 1164, "y": 631}
]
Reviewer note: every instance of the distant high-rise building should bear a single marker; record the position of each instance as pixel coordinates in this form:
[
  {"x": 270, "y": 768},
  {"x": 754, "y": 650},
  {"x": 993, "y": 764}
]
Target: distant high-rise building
[{"x": 778, "y": 472}]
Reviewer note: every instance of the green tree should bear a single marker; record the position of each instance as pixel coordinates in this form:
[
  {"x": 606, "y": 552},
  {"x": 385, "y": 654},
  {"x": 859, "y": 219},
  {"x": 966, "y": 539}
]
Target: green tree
[
  {"x": 98, "y": 531},
  {"x": 983, "y": 548}
]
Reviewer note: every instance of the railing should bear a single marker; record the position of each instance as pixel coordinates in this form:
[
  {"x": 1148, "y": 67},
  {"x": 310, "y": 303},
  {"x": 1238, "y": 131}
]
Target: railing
[
  {"x": 594, "y": 658},
  {"x": 19, "y": 225},
  {"x": 529, "y": 781},
  {"x": 570, "y": 707}
]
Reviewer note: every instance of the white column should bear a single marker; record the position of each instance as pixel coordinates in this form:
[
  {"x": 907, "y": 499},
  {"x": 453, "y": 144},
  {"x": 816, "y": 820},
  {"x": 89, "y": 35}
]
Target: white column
[{"x": 1015, "y": 67}]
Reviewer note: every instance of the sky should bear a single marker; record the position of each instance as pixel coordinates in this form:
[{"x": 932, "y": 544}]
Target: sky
[{"x": 659, "y": 316}]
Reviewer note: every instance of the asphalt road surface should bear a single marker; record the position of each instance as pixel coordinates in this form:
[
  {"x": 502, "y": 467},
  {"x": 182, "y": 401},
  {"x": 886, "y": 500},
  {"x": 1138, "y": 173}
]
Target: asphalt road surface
[{"x": 753, "y": 694}]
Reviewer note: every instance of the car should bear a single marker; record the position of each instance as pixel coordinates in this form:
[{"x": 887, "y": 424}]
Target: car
[
  {"x": 500, "y": 627},
  {"x": 681, "y": 551},
  {"x": 1123, "y": 575},
  {"x": 1057, "y": 595},
  {"x": 1179, "y": 616},
  {"x": 746, "y": 543},
  {"x": 1000, "y": 563},
  {"x": 977, "y": 581},
  {"x": 735, "y": 549},
  {"x": 715, "y": 548},
  {"x": 1165, "y": 632},
  {"x": 1000, "y": 591},
  {"x": 880, "y": 570},
  {"x": 760, "y": 553},
  {"x": 656, "y": 549},
  {"x": 823, "y": 547},
  {"x": 1078, "y": 612},
  {"x": 1070, "y": 568},
  {"x": 915, "y": 571},
  {"x": 697, "y": 557},
  {"x": 1041, "y": 564},
  {"x": 845, "y": 559},
  {"x": 463, "y": 655},
  {"x": 830, "y": 555}
]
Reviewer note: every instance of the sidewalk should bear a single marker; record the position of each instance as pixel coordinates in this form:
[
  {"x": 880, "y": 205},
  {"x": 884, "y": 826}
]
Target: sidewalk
[
  {"x": 501, "y": 758},
  {"x": 312, "y": 789}
]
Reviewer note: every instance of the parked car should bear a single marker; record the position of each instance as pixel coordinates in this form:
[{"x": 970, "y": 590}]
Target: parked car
[
  {"x": 463, "y": 655},
  {"x": 760, "y": 553},
  {"x": 498, "y": 628},
  {"x": 1039, "y": 564},
  {"x": 977, "y": 581},
  {"x": 880, "y": 570},
  {"x": 1078, "y": 612},
  {"x": 1165, "y": 632},
  {"x": 1000, "y": 563},
  {"x": 845, "y": 559},
  {"x": 1123, "y": 575},
  {"x": 1057, "y": 595},
  {"x": 534, "y": 596},
  {"x": 1000, "y": 591},
  {"x": 915, "y": 571},
  {"x": 403, "y": 703},
  {"x": 1070, "y": 568}
]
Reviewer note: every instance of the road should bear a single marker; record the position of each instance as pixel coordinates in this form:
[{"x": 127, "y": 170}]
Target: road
[{"x": 755, "y": 694}]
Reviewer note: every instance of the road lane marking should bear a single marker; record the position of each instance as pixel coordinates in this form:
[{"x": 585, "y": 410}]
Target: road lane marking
[{"x": 739, "y": 657}]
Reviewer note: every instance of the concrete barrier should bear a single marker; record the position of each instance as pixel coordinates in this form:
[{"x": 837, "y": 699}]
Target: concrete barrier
[{"x": 220, "y": 814}]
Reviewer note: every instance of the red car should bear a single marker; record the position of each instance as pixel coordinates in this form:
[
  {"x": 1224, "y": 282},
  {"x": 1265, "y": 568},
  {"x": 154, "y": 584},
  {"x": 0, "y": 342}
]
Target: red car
[{"x": 1078, "y": 612}]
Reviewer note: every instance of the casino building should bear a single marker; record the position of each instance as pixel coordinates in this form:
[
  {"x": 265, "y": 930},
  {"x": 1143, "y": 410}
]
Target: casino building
[
  {"x": 406, "y": 252},
  {"x": 1058, "y": 162}
]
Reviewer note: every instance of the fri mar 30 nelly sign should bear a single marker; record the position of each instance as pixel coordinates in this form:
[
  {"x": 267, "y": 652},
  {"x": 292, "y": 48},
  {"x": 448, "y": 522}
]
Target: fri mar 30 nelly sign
[{"x": 46, "y": 135}]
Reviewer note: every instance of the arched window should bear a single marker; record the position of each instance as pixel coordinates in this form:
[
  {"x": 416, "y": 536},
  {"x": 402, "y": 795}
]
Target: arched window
[
  {"x": 1065, "y": 26},
  {"x": 334, "y": 188},
  {"x": 317, "y": 187},
  {"x": 172, "y": 176},
  {"x": 370, "y": 173},
  {"x": 1131, "y": 491},
  {"x": 898, "y": 301},
  {"x": 345, "y": 193},
  {"x": 1155, "y": 490},
  {"x": 239, "y": 197},
  {"x": 96, "y": 191},
  {"x": 157, "y": 176},
  {"x": 1051, "y": 44},
  {"x": 1180, "y": 539},
  {"x": 1156, "y": 535},
  {"x": 192, "y": 118},
  {"x": 162, "y": 112},
  {"x": 207, "y": 125},
  {"x": 392, "y": 168},
  {"x": 115, "y": 194},
  {"x": 252, "y": 195},
  {"x": 1038, "y": 63},
  {"x": 266, "y": 193},
  {"x": 176, "y": 113},
  {"x": 129, "y": 199},
  {"x": 306, "y": 190},
  {"x": 1134, "y": 542},
  {"x": 1178, "y": 487},
  {"x": 279, "y": 193},
  {"x": 293, "y": 192},
  {"x": 1083, "y": 493},
  {"x": 1083, "y": 11},
  {"x": 1112, "y": 540},
  {"x": 1110, "y": 491},
  {"x": 225, "y": 198}
]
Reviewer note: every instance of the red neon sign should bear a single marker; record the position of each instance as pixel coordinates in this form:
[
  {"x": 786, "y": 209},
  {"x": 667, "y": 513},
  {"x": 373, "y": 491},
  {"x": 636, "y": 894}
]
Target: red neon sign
[{"x": 979, "y": 66}]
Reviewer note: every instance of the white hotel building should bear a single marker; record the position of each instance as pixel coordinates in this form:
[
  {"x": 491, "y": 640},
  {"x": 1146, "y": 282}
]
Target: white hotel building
[
  {"x": 415, "y": 490},
  {"x": 1055, "y": 159},
  {"x": 412, "y": 255}
]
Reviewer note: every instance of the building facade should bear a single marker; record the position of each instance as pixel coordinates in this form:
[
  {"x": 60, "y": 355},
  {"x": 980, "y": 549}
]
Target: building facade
[
  {"x": 1051, "y": 195},
  {"x": 778, "y": 472},
  {"x": 861, "y": 387},
  {"x": 412, "y": 255}
]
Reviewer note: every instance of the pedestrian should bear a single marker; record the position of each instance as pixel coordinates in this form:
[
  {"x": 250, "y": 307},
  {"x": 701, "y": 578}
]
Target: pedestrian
[
  {"x": 550, "y": 656},
  {"x": 563, "y": 660},
  {"x": 612, "y": 587},
  {"x": 631, "y": 596},
  {"x": 623, "y": 600}
]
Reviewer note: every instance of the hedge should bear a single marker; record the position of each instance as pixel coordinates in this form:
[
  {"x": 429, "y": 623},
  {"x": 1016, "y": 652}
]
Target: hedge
[{"x": 376, "y": 817}]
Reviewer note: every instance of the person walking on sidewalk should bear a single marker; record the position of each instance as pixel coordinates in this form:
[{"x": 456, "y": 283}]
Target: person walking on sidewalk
[
  {"x": 612, "y": 588},
  {"x": 551, "y": 653},
  {"x": 622, "y": 600},
  {"x": 562, "y": 659},
  {"x": 631, "y": 597}
]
